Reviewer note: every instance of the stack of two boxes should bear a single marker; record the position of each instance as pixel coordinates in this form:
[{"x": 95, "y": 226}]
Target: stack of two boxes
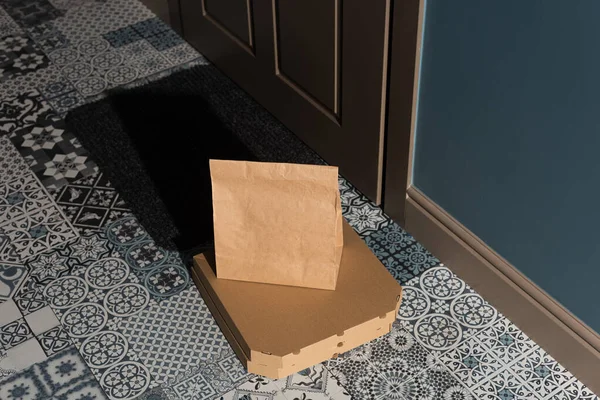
[{"x": 289, "y": 283}]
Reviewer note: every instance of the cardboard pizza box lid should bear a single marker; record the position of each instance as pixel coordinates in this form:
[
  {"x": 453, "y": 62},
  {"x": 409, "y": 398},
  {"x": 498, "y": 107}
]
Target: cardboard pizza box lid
[{"x": 278, "y": 330}]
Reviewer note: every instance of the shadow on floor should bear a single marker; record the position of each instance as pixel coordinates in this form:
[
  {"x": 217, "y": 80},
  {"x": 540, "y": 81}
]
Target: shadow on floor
[
  {"x": 155, "y": 148},
  {"x": 154, "y": 141}
]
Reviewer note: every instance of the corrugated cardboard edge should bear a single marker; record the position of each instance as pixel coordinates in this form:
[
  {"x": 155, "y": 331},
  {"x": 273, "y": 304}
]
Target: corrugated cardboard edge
[
  {"x": 273, "y": 373},
  {"x": 237, "y": 348},
  {"x": 276, "y": 367}
]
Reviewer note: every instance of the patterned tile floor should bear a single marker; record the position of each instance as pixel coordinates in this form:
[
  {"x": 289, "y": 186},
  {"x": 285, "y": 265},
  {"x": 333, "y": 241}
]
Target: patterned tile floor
[{"x": 91, "y": 308}]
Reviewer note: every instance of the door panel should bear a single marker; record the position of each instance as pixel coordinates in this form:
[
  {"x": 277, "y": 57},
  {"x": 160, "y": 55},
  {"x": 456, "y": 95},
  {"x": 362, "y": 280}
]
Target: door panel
[
  {"x": 308, "y": 59},
  {"x": 232, "y": 17},
  {"x": 320, "y": 67}
]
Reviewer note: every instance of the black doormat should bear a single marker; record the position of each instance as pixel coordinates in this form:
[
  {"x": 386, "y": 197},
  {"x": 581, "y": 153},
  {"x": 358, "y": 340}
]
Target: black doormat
[{"x": 154, "y": 141}]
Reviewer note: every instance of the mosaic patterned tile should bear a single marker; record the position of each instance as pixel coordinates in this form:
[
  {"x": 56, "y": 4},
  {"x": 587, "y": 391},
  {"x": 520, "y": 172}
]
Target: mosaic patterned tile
[
  {"x": 36, "y": 79},
  {"x": 22, "y": 111},
  {"x": 31, "y": 12},
  {"x": 52, "y": 152},
  {"x": 56, "y": 88},
  {"x": 91, "y": 203},
  {"x": 365, "y": 218},
  {"x": 575, "y": 390},
  {"x": 399, "y": 252},
  {"x": 506, "y": 342},
  {"x": 161, "y": 272},
  {"x": 434, "y": 383},
  {"x": 315, "y": 383},
  {"x": 441, "y": 310},
  {"x": 165, "y": 40},
  {"x": 182, "y": 54},
  {"x": 122, "y": 36},
  {"x": 38, "y": 232},
  {"x": 504, "y": 385},
  {"x": 19, "y": 55},
  {"x": 30, "y": 297},
  {"x": 69, "y": 259},
  {"x": 42, "y": 321},
  {"x": 11, "y": 278},
  {"x": 14, "y": 333},
  {"x": 471, "y": 362},
  {"x": 89, "y": 302},
  {"x": 370, "y": 371},
  {"x": 209, "y": 380},
  {"x": 12, "y": 165},
  {"x": 96, "y": 18},
  {"x": 59, "y": 377},
  {"x": 20, "y": 197},
  {"x": 54, "y": 340},
  {"x": 257, "y": 388},
  {"x": 119, "y": 297},
  {"x": 8, "y": 26},
  {"x": 175, "y": 335},
  {"x": 66, "y": 102}
]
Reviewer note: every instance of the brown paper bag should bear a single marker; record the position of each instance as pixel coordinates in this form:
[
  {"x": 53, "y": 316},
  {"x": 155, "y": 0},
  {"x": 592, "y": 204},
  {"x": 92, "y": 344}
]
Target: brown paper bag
[{"x": 277, "y": 223}]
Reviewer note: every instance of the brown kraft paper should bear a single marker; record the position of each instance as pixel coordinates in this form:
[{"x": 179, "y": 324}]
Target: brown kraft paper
[{"x": 277, "y": 223}]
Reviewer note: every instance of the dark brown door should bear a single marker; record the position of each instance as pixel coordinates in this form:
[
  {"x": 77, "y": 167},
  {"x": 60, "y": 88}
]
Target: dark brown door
[{"x": 319, "y": 66}]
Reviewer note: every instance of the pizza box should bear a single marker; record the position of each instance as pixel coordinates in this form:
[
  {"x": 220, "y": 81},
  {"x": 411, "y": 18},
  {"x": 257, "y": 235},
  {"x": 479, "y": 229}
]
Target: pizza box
[{"x": 278, "y": 330}]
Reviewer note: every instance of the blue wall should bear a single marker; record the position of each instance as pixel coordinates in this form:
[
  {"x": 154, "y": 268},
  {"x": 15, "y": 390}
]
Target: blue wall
[{"x": 508, "y": 135}]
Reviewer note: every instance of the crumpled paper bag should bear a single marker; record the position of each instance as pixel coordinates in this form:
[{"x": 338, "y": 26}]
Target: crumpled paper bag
[{"x": 277, "y": 223}]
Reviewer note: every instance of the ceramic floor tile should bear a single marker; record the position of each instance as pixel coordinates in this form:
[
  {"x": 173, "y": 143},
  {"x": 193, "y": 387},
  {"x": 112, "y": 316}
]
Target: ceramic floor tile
[
  {"x": 20, "y": 56},
  {"x": 86, "y": 389},
  {"x": 91, "y": 203},
  {"x": 433, "y": 383},
  {"x": 30, "y": 297},
  {"x": 22, "y": 110},
  {"x": 14, "y": 333},
  {"x": 9, "y": 312},
  {"x": 504, "y": 385},
  {"x": 11, "y": 278},
  {"x": 26, "y": 354},
  {"x": 161, "y": 272},
  {"x": 211, "y": 380},
  {"x": 26, "y": 385},
  {"x": 506, "y": 342},
  {"x": 21, "y": 196},
  {"x": 39, "y": 231},
  {"x": 574, "y": 390},
  {"x": 31, "y": 12},
  {"x": 12, "y": 165},
  {"x": 257, "y": 388},
  {"x": 441, "y": 310},
  {"x": 96, "y": 18},
  {"x": 182, "y": 54},
  {"x": 316, "y": 383},
  {"x": 541, "y": 373},
  {"x": 7, "y": 366},
  {"x": 125, "y": 380},
  {"x": 398, "y": 353},
  {"x": 174, "y": 335},
  {"x": 366, "y": 218},
  {"x": 54, "y": 340},
  {"x": 156, "y": 393},
  {"x": 399, "y": 252},
  {"x": 71, "y": 258},
  {"x": 471, "y": 362},
  {"x": 8, "y": 26},
  {"x": 359, "y": 377},
  {"x": 42, "y": 320},
  {"x": 52, "y": 152}
]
